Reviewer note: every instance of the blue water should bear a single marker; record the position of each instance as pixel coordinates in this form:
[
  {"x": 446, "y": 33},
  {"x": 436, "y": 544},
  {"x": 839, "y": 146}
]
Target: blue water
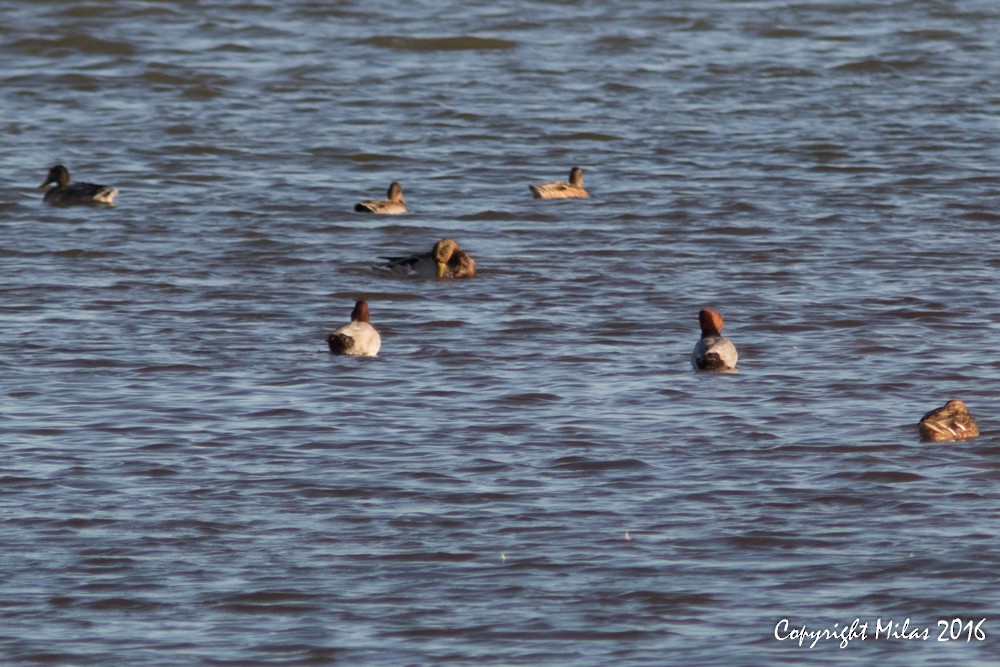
[{"x": 188, "y": 477}]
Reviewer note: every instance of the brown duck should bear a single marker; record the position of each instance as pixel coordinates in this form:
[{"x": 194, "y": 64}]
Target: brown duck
[
  {"x": 392, "y": 205},
  {"x": 951, "y": 422},
  {"x": 561, "y": 189}
]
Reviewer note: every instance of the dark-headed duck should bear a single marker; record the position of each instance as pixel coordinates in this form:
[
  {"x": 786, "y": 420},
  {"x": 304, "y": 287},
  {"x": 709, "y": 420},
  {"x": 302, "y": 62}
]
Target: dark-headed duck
[{"x": 64, "y": 193}]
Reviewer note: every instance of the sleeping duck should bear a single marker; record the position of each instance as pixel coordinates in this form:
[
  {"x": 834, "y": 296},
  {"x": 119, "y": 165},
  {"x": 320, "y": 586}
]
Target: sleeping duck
[
  {"x": 713, "y": 352},
  {"x": 358, "y": 338},
  {"x": 561, "y": 189},
  {"x": 64, "y": 193},
  {"x": 951, "y": 422},
  {"x": 392, "y": 205},
  {"x": 445, "y": 260}
]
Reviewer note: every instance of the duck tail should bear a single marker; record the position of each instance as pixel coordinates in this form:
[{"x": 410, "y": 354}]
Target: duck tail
[
  {"x": 339, "y": 343},
  {"x": 711, "y": 362},
  {"x": 106, "y": 196}
]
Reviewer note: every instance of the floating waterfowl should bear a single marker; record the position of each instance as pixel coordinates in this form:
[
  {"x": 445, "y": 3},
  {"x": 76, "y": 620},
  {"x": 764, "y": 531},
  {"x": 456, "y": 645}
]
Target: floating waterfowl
[
  {"x": 561, "y": 189},
  {"x": 393, "y": 205},
  {"x": 951, "y": 422},
  {"x": 64, "y": 193},
  {"x": 713, "y": 352},
  {"x": 445, "y": 260},
  {"x": 358, "y": 338}
]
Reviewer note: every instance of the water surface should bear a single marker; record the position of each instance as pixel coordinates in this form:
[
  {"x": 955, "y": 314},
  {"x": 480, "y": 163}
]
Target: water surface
[{"x": 188, "y": 477}]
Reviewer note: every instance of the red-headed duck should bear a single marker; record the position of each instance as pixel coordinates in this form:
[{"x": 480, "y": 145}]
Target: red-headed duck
[
  {"x": 713, "y": 352},
  {"x": 358, "y": 338},
  {"x": 561, "y": 189},
  {"x": 951, "y": 422},
  {"x": 64, "y": 193},
  {"x": 392, "y": 205}
]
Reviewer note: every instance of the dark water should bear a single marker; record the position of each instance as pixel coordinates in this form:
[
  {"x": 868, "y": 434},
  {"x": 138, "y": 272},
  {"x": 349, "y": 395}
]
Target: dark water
[{"x": 188, "y": 477}]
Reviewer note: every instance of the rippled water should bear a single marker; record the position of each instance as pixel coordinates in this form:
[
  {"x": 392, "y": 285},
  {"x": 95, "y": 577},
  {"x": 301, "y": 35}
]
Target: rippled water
[{"x": 188, "y": 477}]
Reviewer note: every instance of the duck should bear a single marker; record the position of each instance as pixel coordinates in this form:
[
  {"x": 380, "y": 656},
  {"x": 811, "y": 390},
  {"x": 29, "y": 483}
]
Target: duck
[
  {"x": 392, "y": 205},
  {"x": 561, "y": 189},
  {"x": 951, "y": 422},
  {"x": 713, "y": 352},
  {"x": 445, "y": 260},
  {"x": 63, "y": 193},
  {"x": 359, "y": 337}
]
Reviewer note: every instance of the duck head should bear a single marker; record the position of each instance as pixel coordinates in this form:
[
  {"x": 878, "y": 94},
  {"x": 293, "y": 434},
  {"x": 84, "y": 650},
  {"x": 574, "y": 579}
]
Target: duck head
[
  {"x": 360, "y": 312},
  {"x": 395, "y": 192},
  {"x": 711, "y": 323},
  {"x": 58, "y": 175},
  {"x": 443, "y": 251}
]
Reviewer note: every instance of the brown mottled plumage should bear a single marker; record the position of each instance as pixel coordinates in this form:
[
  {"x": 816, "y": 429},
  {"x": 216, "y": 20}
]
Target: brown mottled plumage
[
  {"x": 951, "y": 422},
  {"x": 561, "y": 189},
  {"x": 393, "y": 204}
]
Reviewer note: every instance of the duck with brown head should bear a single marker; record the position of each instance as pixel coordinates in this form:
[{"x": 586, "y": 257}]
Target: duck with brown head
[
  {"x": 561, "y": 189},
  {"x": 64, "y": 193},
  {"x": 951, "y": 422},
  {"x": 359, "y": 337},
  {"x": 713, "y": 352},
  {"x": 393, "y": 204},
  {"x": 445, "y": 260}
]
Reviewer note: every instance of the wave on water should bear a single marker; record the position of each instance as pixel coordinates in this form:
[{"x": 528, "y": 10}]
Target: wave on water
[
  {"x": 73, "y": 42},
  {"x": 458, "y": 43}
]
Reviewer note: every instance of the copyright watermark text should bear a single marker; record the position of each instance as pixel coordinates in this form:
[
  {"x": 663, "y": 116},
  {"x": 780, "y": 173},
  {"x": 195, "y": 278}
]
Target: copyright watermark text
[{"x": 945, "y": 630}]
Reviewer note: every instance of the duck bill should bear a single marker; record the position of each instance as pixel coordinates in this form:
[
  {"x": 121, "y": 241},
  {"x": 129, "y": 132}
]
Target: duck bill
[
  {"x": 442, "y": 269},
  {"x": 43, "y": 185}
]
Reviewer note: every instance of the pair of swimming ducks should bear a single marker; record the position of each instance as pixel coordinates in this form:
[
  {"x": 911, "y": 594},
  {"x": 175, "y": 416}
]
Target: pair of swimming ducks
[
  {"x": 394, "y": 203},
  {"x": 712, "y": 352},
  {"x": 716, "y": 353}
]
